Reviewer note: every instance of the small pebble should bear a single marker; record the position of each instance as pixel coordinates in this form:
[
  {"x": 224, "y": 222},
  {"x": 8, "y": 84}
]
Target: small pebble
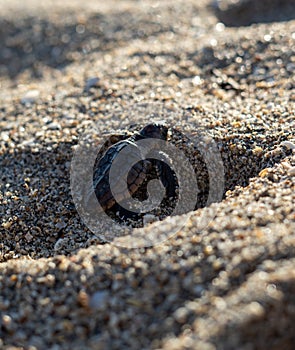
[
  {"x": 291, "y": 171},
  {"x": 91, "y": 82},
  {"x": 288, "y": 144},
  {"x": 30, "y": 97},
  {"x": 98, "y": 300}
]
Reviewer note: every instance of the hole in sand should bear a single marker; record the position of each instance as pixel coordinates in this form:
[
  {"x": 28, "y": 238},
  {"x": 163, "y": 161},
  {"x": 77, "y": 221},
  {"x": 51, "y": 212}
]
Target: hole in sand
[{"x": 39, "y": 218}]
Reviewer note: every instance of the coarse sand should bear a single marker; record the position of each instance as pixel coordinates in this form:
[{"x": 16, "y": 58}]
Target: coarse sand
[{"x": 226, "y": 67}]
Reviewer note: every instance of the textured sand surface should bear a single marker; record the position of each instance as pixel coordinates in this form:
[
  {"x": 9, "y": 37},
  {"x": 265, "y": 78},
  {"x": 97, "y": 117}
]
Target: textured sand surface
[{"x": 66, "y": 66}]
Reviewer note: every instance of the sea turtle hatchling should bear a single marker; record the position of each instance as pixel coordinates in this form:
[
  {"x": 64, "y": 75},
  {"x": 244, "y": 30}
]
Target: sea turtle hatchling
[{"x": 138, "y": 173}]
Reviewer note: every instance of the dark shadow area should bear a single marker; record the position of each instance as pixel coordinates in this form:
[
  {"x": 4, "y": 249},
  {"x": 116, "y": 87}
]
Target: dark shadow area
[
  {"x": 222, "y": 67},
  {"x": 27, "y": 43},
  {"x": 274, "y": 330},
  {"x": 38, "y": 208},
  {"x": 247, "y": 12}
]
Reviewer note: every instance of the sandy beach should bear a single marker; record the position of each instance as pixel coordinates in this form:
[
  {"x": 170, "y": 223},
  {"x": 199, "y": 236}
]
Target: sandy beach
[{"x": 224, "y": 67}]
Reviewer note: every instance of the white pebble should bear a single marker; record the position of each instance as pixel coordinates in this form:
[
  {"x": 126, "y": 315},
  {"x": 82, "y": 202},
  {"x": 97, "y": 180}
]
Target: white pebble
[
  {"x": 30, "y": 96},
  {"x": 291, "y": 171},
  {"x": 288, "y": 144},
  {"x": 4, "y": 136}
]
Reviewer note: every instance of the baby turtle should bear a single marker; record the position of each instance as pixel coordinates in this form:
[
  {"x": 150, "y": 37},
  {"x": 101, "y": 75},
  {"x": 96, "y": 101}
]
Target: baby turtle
[{"x": 137, "y": 175}]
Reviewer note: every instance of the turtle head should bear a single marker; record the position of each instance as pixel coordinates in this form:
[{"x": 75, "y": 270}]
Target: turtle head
[{"x": 155, "y": 130}]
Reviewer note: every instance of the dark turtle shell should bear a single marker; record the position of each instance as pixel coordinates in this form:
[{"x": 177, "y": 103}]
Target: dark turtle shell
[{"x": 137, "y": 173}]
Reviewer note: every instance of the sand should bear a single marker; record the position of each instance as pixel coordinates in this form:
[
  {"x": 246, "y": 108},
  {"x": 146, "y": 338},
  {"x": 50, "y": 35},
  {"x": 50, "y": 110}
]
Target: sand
[{"x": 226, "y": 279}]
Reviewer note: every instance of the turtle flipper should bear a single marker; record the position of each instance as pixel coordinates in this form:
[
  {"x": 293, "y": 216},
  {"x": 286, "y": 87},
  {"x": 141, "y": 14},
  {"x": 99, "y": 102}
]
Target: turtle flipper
[{"x": 168, "y": 179}]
